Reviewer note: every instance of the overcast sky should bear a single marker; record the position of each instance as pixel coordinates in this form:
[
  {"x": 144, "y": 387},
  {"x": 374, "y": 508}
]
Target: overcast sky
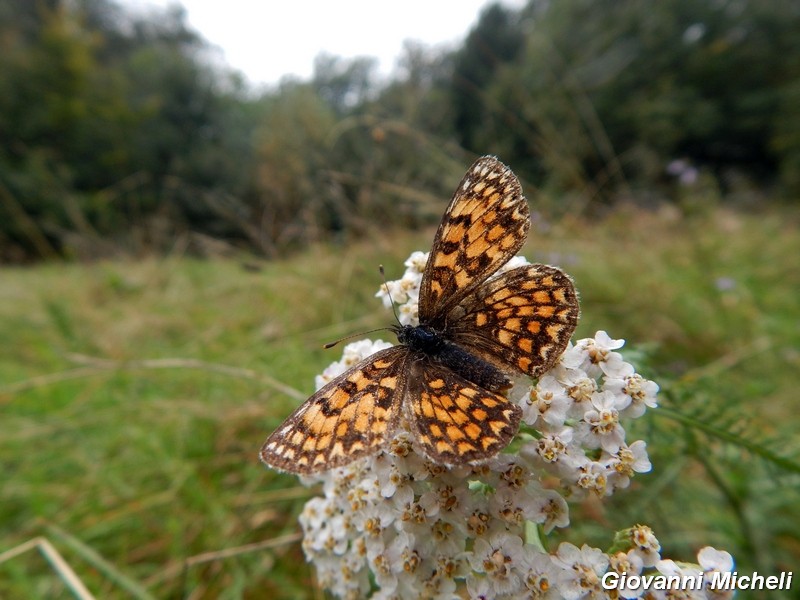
[{"x": 266, "y": 39}]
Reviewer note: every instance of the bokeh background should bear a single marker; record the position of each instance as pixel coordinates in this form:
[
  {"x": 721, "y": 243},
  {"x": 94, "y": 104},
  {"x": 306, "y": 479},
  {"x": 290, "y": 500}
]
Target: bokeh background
[{"x": 176, "y": 244}]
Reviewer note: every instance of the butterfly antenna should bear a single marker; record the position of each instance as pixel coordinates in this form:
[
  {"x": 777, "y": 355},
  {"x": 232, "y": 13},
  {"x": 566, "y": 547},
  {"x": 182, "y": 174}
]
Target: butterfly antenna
[
  {"x": 388, "y": 293},
  {"x": 347, "y": 337}
]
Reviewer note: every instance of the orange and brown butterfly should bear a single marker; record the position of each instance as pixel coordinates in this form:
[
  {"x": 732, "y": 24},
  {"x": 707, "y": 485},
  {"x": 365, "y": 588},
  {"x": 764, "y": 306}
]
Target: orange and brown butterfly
[{"x": 445, "y": 382}]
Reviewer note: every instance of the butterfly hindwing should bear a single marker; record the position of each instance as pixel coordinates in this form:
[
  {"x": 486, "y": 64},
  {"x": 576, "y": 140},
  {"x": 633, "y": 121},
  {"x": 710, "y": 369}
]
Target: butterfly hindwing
[
  {"x": 485, "y": 224},
  {"x": 522, "y": 319},
  {"x": 455, "y": 421},
  {"x": 350, "y": 417}
]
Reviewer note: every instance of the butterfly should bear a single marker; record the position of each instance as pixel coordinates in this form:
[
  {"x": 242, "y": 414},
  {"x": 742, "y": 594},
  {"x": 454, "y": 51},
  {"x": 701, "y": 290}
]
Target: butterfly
[{"x": 445, "y": 381}]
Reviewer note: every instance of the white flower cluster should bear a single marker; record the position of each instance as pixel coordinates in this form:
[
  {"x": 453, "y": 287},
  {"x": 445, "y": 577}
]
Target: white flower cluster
[{"x": 396, "y": 525}]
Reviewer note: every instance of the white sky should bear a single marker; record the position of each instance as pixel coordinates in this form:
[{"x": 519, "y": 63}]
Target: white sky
[{"x": 266, "y": 39}]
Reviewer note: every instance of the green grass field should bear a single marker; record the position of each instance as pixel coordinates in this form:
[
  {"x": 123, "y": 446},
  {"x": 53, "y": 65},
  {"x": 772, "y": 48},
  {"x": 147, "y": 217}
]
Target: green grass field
[{"x": 134, "y": 397}]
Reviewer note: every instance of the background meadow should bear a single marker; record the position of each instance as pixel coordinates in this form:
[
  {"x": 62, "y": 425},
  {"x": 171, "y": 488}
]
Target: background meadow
[{"x": 177, "y": 248}]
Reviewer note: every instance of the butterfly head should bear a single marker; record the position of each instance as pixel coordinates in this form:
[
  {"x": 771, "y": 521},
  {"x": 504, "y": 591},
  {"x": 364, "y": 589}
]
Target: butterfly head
[{"x": 420, "y": 338}]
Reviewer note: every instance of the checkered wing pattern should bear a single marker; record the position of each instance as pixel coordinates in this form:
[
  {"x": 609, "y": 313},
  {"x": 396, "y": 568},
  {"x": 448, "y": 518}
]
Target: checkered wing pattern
[
  {"x": 455, "y": 421},
  {"x": 485, "y": 224},
  {"x": 521, "y": 320},
  {"x": 350, "y": 417}
]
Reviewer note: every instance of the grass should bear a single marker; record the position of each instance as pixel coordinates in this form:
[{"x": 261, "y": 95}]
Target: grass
[{"x": 134, "y": 397}]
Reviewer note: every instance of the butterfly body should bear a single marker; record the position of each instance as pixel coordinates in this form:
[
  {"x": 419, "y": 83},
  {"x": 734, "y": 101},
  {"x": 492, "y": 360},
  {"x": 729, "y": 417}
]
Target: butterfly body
[
  {"x": 445, "y": 381},
  {"x": 434, "y": 345}
]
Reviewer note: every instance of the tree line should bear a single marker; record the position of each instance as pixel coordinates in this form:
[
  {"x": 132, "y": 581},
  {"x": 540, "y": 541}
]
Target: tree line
[{"x": 119, "y": 134}]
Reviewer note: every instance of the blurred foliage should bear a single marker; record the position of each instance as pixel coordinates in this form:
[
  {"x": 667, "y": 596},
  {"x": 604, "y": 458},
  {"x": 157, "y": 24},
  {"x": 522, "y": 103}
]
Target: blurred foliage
[
  {"x": 609, "y": 91},
  {"x": 120, "y": 135}
]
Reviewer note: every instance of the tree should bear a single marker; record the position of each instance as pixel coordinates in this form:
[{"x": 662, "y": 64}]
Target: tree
[{"x": 495, "y": 41}]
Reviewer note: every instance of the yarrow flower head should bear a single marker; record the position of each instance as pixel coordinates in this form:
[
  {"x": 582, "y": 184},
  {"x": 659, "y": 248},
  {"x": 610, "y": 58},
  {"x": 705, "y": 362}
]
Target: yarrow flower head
[{"x": 396, "y": 525}]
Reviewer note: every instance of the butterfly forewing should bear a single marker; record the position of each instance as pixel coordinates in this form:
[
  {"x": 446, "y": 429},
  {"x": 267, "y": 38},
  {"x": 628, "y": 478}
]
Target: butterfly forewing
[
  {"x": 455, "y": 421},
  {"x": 350, "y": 417},
  {"x": 520, "y": 320},
  {"x": 485, "y": 225}
]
